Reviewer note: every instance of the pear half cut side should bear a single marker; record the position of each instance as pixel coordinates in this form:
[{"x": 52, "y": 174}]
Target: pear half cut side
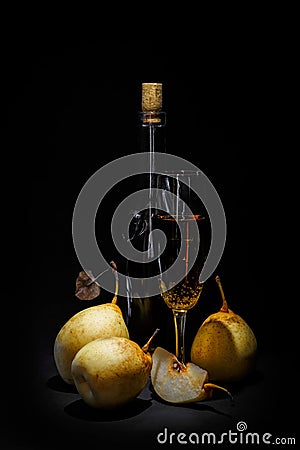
[{"x": 176, "y": 383}]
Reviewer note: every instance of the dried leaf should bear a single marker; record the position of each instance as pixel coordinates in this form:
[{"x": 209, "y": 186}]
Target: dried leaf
[{"x": 86, "y": 288}]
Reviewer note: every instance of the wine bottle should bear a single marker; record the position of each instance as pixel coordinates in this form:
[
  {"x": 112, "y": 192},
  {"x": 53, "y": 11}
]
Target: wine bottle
[{"x": 146, "y": 313}]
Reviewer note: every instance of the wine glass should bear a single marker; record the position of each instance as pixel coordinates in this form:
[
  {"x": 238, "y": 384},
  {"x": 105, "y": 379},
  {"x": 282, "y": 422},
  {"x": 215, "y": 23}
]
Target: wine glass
[{"x": 186, "y": 228}]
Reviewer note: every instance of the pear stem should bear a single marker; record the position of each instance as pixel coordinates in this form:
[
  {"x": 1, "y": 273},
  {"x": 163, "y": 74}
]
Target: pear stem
[
  {"x": 224, "y": 305},
  {"x": 145, "y": 347},
  {"x": 115, "y": 272},
  {"x": 209, "y": 386}
]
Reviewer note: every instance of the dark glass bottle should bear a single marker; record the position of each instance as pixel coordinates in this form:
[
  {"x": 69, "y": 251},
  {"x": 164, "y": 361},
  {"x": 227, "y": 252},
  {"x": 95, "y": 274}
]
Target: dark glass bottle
[{"x": 146, "y": 313}]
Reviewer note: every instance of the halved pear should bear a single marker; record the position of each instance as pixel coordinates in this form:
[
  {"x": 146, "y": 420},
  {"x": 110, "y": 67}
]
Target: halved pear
[{"x": 174, "y": 382}]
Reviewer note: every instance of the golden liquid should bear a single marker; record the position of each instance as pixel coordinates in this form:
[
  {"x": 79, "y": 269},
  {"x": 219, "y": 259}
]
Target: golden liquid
[{"x": 183, "y": 296}]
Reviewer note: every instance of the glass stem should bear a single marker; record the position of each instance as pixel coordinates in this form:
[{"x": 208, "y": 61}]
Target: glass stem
[{"x": 180, "y": 321}]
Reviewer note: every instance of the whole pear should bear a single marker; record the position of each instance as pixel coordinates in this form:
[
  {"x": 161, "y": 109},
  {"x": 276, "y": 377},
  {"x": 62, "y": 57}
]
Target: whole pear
[
  {"x": 225, "y": 345},
  {"x": 100, "y": 321},
  {"x": 110, "y": 372}
]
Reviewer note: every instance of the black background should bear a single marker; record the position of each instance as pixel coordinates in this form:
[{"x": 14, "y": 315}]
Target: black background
[{"x": 70, "y": 106}]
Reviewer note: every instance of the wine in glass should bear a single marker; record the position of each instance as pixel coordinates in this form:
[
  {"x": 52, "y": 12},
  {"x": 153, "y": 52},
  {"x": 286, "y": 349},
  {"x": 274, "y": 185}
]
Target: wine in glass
[{"x": 186, "y": 229}]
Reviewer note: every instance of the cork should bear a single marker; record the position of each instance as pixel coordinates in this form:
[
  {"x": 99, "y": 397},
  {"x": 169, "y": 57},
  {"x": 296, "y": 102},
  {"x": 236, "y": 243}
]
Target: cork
[{"x": 151, "y": 97}]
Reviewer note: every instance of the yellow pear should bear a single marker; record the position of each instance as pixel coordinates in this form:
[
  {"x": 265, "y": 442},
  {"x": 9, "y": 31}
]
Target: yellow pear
[
  {"x": 175, "y": 382},
  {"x": 110, "y": 372},
  {"x": 91, "y": 323},
  {"x": 225, "y": 345},
  {"x": 98, "y": 321},
  {"x": 88, "y": 324}
]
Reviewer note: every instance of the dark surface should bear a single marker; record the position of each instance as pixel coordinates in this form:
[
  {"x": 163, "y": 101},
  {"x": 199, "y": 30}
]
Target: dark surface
[{"x": 71, "y": 107}]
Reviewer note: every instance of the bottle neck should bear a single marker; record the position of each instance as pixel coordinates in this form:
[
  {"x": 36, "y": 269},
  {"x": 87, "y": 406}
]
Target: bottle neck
[{"x": 152, "y": 132}]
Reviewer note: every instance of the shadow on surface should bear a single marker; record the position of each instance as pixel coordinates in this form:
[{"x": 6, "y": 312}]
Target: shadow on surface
[
  {"x": 252, "y": 379},
  {"x": 56, "y": 383},
  {"x": 197, "y": 406},
  {"x": 80, "y": 410}
]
